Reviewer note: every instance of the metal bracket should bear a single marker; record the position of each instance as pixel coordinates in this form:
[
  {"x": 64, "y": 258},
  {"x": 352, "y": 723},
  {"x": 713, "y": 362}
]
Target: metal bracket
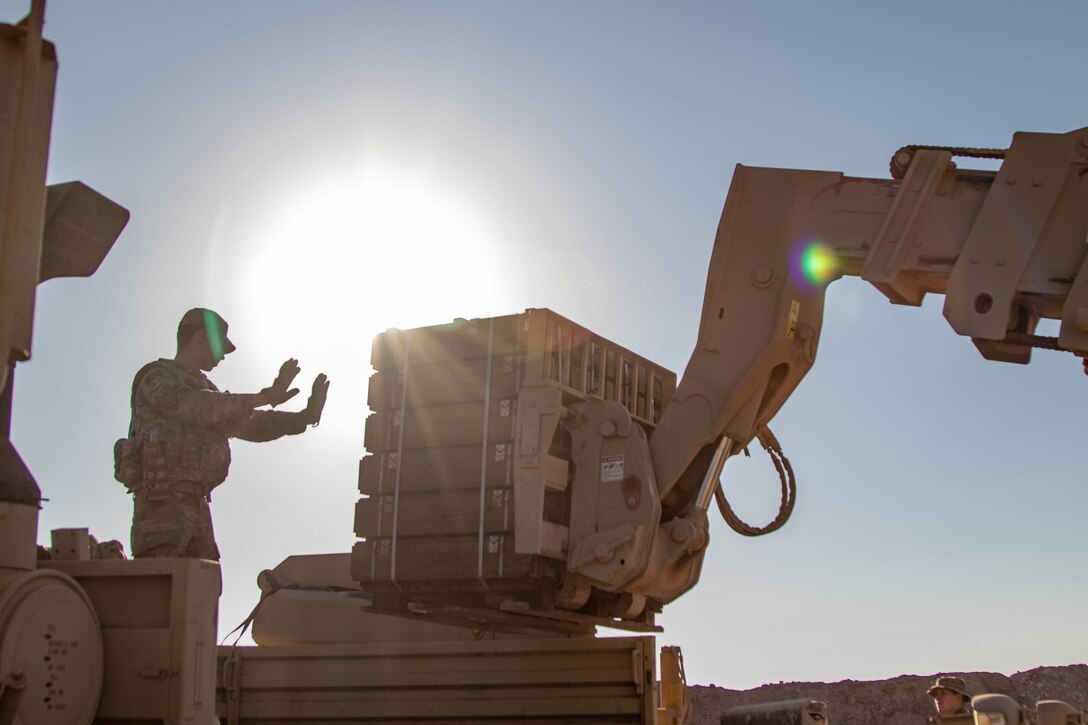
[
  {"x": 897, "y": 245},
  {"x": 232, "y": 684},
  {"x": 984, "y": 281},
  {"x": 536, "y": 472},
  {"x": 637, "y": 668},
  {"x": 1074, "y": 330}
]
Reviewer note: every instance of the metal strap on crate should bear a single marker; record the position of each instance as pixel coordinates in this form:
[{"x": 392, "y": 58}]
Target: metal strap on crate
[
  {"x": 400, "y": 457},
  {"x": 483, "y": 452},
  {"x": 520, "y": 326}
]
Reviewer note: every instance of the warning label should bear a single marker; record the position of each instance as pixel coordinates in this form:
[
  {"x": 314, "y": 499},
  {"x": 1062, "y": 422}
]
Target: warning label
[
  {"x": 611, "y": 468},
  {"x": 791, "y": 324}
]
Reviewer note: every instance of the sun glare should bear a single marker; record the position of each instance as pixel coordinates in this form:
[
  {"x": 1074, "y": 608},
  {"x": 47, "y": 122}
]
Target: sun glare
[{"x": 348, "y": 258}]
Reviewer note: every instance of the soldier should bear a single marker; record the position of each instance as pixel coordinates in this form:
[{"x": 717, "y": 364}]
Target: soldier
[
  {"x": 950, "y": 696},
  {"x": 177, "y": 450}
]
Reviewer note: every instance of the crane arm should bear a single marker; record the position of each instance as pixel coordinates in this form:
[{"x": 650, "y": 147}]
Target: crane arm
[{"x": 1006, "y": 248}]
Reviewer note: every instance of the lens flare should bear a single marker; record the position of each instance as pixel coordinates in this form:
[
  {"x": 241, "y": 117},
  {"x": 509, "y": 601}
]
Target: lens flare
[
  {"x": 818, "y": 264},
  {"x": 215, "y": 335}
]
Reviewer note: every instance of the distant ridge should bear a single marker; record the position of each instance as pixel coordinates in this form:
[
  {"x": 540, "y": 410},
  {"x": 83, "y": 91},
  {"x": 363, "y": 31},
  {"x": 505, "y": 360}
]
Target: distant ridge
[{"x": 900, "y": 700}]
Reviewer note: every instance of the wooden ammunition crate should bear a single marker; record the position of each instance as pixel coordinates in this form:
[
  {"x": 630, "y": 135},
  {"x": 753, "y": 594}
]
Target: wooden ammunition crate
[
  {"x": 427, "y": 469},
  {"x": 438, "y": 487},
  {"x": 437, "y": 558},
  {"x": 441, "y": 425},
  {"x": 436, "y": 513},
  {"x": 459, "y": 340},
  {"x": 449, "y": 363},
  {"x": 453, "y": 381}
]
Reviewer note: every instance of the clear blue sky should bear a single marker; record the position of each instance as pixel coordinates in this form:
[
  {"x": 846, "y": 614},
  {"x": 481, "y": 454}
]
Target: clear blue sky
[{"x": 320, "y": 171}]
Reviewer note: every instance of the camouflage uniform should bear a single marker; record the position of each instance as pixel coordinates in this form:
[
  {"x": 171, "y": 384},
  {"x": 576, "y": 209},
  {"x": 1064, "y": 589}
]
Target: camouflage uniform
[{"x": 179, "y": 452}]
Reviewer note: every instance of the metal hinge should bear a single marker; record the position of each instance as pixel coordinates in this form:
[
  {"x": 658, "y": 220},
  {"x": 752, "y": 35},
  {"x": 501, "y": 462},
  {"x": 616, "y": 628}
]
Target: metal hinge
[{"x": 232, "y": 684}]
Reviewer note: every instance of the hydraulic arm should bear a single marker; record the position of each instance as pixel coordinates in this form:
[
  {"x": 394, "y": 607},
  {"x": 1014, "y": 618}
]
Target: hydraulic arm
[{"x": 1006, "y": 248}]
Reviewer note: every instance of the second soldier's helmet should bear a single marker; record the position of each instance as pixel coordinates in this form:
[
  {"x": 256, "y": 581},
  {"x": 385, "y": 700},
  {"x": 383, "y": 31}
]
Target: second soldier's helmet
[{"x": 948, "y": 682}]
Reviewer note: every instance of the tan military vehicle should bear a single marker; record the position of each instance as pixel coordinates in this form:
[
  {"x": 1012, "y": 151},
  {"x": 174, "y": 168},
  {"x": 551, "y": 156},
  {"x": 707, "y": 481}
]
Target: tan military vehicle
[
  {"x": 995, "y": 709},
  {"x": 528, "y": 480},
  {"x": 793, "y": 712}
]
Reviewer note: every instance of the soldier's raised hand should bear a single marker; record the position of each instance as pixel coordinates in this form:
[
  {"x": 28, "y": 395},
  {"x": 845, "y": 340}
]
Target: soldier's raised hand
[
  {"x": 279, "y": 392},
  {"x": 316, "y": 403}
]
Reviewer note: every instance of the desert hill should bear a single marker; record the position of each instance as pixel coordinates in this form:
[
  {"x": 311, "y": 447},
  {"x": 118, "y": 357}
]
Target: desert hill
[{"x": 898, "y": 701}]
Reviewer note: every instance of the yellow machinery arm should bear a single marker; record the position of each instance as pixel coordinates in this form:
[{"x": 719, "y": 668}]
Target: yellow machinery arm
[{"x": 1006, "y": 248}]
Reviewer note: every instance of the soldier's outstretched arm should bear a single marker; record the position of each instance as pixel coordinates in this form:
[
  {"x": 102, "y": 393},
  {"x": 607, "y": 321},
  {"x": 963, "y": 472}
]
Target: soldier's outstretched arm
[
  {"x": 172, "y": 397},
  {"x": 268, "y": 425},
  {"x": 265, "y": 425}
]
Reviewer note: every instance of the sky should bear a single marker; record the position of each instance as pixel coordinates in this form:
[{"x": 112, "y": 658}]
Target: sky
[{"x": 319, "y": 172}]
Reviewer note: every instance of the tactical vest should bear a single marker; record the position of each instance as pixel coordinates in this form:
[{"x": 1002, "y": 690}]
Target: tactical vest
[{"x": 160, "y": 447}]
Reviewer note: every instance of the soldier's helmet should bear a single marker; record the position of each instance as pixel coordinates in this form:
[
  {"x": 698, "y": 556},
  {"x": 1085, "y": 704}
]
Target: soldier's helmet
[
  {"x": 947, "y": 682},
  {"x": 213, "y": 324}
]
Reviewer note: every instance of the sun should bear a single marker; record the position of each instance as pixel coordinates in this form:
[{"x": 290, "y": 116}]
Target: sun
[{"x": 348, "y": 257}]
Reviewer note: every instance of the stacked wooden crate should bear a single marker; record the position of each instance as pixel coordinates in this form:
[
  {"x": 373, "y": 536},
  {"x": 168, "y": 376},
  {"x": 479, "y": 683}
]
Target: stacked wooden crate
[{"x": 437, "y": 513}]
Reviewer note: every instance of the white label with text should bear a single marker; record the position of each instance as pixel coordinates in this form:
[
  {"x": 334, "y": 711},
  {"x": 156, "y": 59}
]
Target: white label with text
[{"x": 611, "y": 468}]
